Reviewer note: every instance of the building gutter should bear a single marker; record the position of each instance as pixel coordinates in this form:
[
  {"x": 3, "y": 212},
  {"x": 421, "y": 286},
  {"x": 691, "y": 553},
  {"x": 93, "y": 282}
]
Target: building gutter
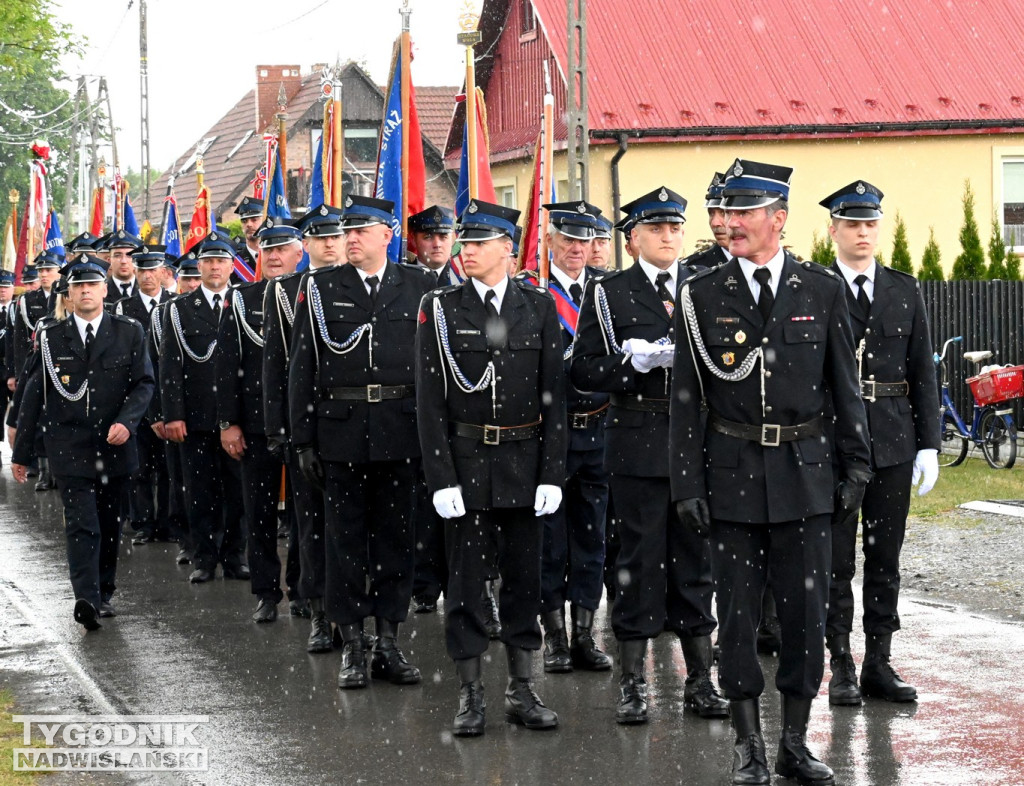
[{"x": 616, "y": 194}]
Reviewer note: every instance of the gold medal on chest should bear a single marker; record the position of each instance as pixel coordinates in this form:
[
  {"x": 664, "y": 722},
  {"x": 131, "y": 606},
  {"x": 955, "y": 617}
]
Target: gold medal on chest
[
  {"x": 728, "y": 358},
  {"x": 740, "y": 336}
]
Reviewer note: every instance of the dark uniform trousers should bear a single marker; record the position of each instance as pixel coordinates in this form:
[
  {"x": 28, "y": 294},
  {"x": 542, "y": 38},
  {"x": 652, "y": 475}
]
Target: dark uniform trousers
[
  {"x": 93, "y": 476},
  {"x": 770, "y": 504},
  {"x": 213, "y": 495},
  {"x": 662, "y": 573},
  {"x": 498, "y": 481},
  {"x": 368, "y": 448},
  {"x": 431, "y": 574},
  {"x": 261, "y": 484},
  {"x": 897, "y": 348},
  {"x": 305, "y": 504}
]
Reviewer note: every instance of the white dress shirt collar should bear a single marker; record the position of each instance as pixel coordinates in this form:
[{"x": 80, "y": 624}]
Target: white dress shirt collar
[
  {"x": 80, "y": 323},
  {"x": 209, "y": 293},
  {"x": 774, "y": 266},
  {"x": 565, "y": 281},
  {"x": 499, "y": 291}
]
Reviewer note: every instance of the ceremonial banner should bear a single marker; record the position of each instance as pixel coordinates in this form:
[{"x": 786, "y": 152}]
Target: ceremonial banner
[
  {"x": 485, "y": 186},
  {"x": 201, "y": 219},
  {"x": 54, "y": 239},
  {"x": 172, "y": 227}
]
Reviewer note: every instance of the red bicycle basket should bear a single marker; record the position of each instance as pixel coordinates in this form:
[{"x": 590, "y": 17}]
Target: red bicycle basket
[{"x": 998, "y": 385}]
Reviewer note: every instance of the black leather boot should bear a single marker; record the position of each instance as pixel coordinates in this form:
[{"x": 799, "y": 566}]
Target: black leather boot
[
  {"x": 388, "y": 661},
  {"x": 878, "y": 679},
  {"x": 469, "y": 722},
  {"x": 353, "y": 658},
  {"x": 632, "y": 685},
  {"x": 522, "y": 705},
  {"x": 699, "y": 693},
  {"x": 556, "y": 643},
  {"x": 793, "y": 759},
  {"x": 46, "y": 481},
  {"x": 749, "y": 759},
  {"x": 319, "y": 628},
  {"x": 492, "y": 623},
  {"x": 842, "y": 688},
  {"x": 582, "y": 648}
]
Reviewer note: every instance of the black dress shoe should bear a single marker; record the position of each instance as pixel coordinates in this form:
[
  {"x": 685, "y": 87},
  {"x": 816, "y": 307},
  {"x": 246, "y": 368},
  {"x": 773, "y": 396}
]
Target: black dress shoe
[
  {"x": 240, "y": 572},
  {"x": 200, "y": 576},
  {"x": 141, "y": 539},
  {"x": 299, "y": 608},
  {"x": 106, "y": 610},
  {"x": 86, "y": 615},
  {"x": 184, "y": 557},
  {"x": 353, "y": 666},
  {"x": 266, "y": 611},
  {"x": 424, "y": 605}
]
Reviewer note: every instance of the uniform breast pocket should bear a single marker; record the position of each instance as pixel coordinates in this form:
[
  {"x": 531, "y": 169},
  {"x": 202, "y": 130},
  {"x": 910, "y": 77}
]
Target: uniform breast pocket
[
  {"x": 803, "y": 332},
  {"x": 524, "y": 341},
  {"x": 116, "y": 362},
  {"x": 468, "y": 342},
  {"x": 402, "y": 325},
  {"x": 897, "y": 330}
]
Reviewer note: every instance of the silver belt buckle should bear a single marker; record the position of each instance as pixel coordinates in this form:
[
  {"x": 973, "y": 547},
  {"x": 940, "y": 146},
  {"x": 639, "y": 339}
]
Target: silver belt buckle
[
  {"x": 769, "y": 441},
  {"x": 579, "y": 419},
  {"x": 868, "y": 384},
  {"x": 374, "y": 395},
  {"x": 492, "y": 435}
]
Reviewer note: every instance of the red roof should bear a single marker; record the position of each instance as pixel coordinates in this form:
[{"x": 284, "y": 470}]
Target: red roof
[
  {"x": 434, "y": 107},
  {"x": 796, "y": 67}
]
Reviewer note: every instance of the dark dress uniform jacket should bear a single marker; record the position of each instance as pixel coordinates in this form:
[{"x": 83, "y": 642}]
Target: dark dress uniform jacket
[
  {"x": 115, "y": 293},
  {"x": 239, "y": 359},
  {"x": 807, "y": 340},
  {"x": 712, "y": 256},
  {"x": 134, "y": 307},
  {"x": 279, "y": 305},
  {"x": 120, "y": 383},
  {"x": 346, "y": 430},
  {"x": 897, "y": 347},
  {"x": 188, "y": 388},
  {"x": 636, "y": 443},
  {"x": 530, "y": 387},
  {"x": 31, "y": 307}
]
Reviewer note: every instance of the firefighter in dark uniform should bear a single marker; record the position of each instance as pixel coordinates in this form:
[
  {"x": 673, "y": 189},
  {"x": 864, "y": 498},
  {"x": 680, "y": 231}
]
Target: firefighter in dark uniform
[
  {"x": 149, "y": 515},
  {"x": 239, "y": 359},
  {"x": 32, "y": 307},
  {"x": 718, "y": 252},
  {"x": 6, "y": 327},
  {"x": 762, "y": 342},
  {"x": 89, "y": 387},
  {"x": 188, "y": 384},
  {"x": 601, "y": 248},
  {"x": 573, "y": 550},
  {"x": 897, "y": 374},
  {"x": 491, "y": 397},
  {"x": 322, "y": 239},
  {"x": 250, "y": 214},
  {"x": 120, "y": 245},
  {"x": 353, "y": 423},
  {"x": 431, "y": 232},
  {"x": 624, "y": 347}
]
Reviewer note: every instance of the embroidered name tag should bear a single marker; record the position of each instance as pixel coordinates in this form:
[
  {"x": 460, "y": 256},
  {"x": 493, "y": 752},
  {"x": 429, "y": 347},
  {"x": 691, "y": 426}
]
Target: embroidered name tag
[
  {"x": 467, "y": 332},
  {"x": 344, "y": 305},
  {"x": 65, "y": 358}
]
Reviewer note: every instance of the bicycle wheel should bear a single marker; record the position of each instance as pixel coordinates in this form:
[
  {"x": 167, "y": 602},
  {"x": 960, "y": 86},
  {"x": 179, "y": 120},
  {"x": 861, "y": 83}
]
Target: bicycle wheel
[
  {"x": 999, "y": 439},
  {"x": 954, "y": 447}
]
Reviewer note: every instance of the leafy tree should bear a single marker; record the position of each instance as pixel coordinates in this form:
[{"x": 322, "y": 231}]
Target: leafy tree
[
  {"x": 29, "y": 35},
  {"x": 996, "y": 252},
  {"x": 821, "y": 249},
  {"x": 970, "y": 263},
  {"x": 1012, "y": 262},
  {"x": 931, "y": 262},
  {"x": 901, "y": 248}
]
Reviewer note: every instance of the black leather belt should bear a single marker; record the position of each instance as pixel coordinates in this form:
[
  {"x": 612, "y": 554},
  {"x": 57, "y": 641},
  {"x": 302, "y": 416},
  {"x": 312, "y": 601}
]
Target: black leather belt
[
  {"x": 640, "y": 403},
  {"x": 870, "y": 390},
  {"x": 771, "y": 435},
  {"x": 581, "y": 420},
  {"x": 370, "y": 393},
  {"x": 495, "y": 435}
]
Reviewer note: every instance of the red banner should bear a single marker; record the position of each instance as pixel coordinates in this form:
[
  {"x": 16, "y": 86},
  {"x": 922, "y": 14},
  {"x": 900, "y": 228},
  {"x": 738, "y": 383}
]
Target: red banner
[{"x": 200, "y": 226}]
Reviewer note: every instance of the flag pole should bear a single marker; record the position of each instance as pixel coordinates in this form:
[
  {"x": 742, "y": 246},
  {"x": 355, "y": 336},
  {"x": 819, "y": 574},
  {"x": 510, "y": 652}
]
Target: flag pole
[
  {"x": 271, "y": 167},
  {"x": 404, "y": 88},
  {"x": 337, "y": 145},
  {"x": 30, "y": 253},
  {"x": 282, "y": 137},
  {"x": 547, "y": 175},
  {"x": 469, "y": 37},
  {"x": 200, "y": 171}
]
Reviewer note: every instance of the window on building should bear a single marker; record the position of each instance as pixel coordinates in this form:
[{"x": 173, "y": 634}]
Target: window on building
[
  {"x": 200, "y": 150},
  {"x": 528, "y": 19},
  {"x": 1013, "y": 202},
  {"x": 506, "y": 195},
  {"x": 361, "y": 144},
  {"x": 237, "y": 147}
]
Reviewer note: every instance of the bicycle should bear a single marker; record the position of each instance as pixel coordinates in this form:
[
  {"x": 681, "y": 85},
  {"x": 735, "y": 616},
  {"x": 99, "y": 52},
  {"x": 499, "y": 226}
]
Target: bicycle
[{"x": 993, "y": 427}]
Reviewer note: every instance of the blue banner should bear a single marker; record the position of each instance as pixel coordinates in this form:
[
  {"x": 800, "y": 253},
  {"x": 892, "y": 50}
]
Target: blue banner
[
  {"x": 172, "y": 236},
  {"x": 316, "y": 193},
  {"x": 54, "y": 238},
  {"x": 462, "y": 192},
  {"x": 277, "y": 199},
  {"x": 389, "y": 160}
]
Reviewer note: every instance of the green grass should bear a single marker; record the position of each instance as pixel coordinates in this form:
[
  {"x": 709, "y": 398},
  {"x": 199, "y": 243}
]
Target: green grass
[
  {"x": 974, "y": 479},
  {"x": 11, "y": 738}
]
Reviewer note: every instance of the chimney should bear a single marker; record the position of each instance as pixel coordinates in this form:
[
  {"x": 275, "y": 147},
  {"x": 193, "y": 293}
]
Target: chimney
[{"x": 271, "y": 80}]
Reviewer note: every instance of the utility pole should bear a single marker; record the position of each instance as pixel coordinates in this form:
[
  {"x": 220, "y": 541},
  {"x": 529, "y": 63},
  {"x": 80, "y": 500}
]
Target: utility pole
[
  {"x": 74, "y": 165},
  {"x": 144, "y": 98},
  {"x": 579, "y": 129}
]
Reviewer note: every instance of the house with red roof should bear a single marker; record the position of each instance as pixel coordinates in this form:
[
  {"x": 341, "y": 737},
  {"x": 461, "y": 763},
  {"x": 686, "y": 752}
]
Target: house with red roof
[{"x": 915, "y": 96}]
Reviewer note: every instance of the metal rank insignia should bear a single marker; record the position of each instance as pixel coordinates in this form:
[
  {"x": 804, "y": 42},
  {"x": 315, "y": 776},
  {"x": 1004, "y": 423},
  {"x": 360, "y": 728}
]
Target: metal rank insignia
[
  {"x": 65, "y": 379},
  {"x": 731, "y": 283},
  {"x": 740, "y": 337},
  {"x": 728, "y": 358}
]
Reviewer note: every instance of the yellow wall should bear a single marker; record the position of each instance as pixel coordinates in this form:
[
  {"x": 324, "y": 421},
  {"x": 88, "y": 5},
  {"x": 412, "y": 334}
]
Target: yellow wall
[{"x": 921, "y": 177}]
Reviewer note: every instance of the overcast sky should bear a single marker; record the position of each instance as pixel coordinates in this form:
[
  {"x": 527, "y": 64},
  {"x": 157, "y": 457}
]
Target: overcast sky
[{"x": 203, "y": 54}]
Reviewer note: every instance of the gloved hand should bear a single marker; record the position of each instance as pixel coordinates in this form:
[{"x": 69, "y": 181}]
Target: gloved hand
[
  {"x": 641, "y": 354},
  {"x": 694, "y": 514},
  {"x": 850, "y": 495},
  {"x": 666, "y": 355},
  {"x": 547, "y": 500},
  {"x": 310, "y": 466},
  {"x": 276, "y": 445},
  {"x": 926, "y": 470},
  {"x": 448, "y": 503}
]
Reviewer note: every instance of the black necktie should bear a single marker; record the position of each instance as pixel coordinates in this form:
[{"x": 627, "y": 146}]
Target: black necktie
[
  {"x": 576, "y": 293},
  {"x": 372, "y": 282},
  {"x": 862, "y": 296},
  {"x": 152, "y": 305},
  {"x": 125, "y": 288},
  {"x": 216, "y": 304},
  {"x": 765, "y": 300},
  {"x": 490, "y": 303},
  {"x": 662, "y": 286},
  {"x": 88, "y": 339}
]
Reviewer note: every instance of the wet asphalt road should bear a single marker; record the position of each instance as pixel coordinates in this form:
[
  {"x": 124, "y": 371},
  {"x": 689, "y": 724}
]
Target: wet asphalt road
[{"x": 276, "y": 716}]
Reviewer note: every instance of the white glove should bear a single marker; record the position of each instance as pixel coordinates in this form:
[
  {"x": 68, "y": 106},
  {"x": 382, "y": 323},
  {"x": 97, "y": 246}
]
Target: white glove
[
  {"x": 666, "y": 356},
  {"x": 641, "y": 354},
  {"x": 548, "y": 499},
  {"x": 926, "y": 470},
  {"x": 448, "y": 503}
]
